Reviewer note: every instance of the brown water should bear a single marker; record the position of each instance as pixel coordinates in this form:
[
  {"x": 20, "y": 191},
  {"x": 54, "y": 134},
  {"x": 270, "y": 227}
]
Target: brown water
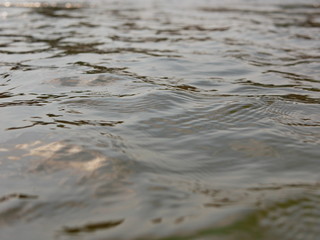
[{"x": 160, "y": 119}]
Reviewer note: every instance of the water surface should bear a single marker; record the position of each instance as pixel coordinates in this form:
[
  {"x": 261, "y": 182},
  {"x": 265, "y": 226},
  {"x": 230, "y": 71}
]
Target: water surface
[{"x": 160, "y": 119}]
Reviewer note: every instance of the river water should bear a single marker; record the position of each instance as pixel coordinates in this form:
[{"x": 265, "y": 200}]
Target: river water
[{"x": 160, "y": 119}]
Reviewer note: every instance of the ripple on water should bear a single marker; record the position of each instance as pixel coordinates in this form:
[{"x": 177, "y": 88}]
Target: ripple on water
[{"x": 159, "y": 119}]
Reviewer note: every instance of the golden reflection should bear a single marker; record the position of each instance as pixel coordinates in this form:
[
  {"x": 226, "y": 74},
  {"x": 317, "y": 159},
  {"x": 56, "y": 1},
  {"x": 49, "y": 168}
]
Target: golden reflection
[
  {"x": 26, "y": 146},
  {"x": 57, "y": 155},
  {"x": 61, "y": 154},
  {"x": 13, "y": 158},
  {"x": 49, "y": 157}
]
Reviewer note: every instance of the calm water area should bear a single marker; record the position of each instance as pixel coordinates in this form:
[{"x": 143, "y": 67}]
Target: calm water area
[{"x": 160, "y": 119}]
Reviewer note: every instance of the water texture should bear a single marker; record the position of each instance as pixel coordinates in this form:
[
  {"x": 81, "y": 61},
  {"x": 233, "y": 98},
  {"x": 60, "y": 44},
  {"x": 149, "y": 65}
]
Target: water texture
[{"x": 160, "y": 120}]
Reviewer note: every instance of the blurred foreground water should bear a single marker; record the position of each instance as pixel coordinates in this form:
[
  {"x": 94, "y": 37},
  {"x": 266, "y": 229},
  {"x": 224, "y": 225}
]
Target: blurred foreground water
[{"x": 160, "y": 119}]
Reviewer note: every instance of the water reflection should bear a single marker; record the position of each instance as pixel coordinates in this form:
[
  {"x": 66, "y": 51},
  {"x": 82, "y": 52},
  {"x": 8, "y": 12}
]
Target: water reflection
[
  {"x": 92, "y": 227},
  {"x": 159, "y": 120}
]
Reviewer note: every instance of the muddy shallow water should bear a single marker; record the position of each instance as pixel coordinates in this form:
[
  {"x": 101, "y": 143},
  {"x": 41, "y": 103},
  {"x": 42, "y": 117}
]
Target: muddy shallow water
[{"x": 160, "y": 119}]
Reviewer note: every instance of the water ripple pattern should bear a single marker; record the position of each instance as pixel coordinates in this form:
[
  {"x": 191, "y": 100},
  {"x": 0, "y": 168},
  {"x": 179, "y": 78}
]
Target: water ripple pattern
[{"x": 145, "y": 119}]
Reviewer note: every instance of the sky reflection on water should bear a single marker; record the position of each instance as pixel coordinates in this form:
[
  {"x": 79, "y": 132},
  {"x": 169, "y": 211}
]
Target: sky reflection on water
[{"x": 159, "y": 119}]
